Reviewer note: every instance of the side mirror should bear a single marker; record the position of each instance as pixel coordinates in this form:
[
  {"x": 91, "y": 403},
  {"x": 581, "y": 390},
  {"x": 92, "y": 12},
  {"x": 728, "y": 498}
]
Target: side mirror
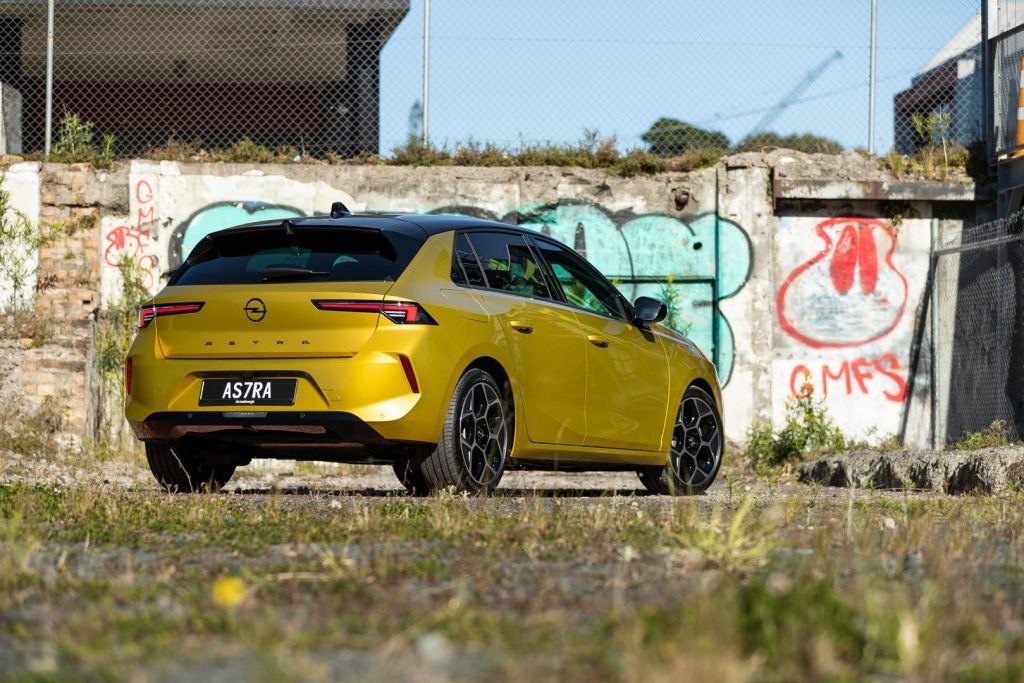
[{"x": 647, "y": 310}]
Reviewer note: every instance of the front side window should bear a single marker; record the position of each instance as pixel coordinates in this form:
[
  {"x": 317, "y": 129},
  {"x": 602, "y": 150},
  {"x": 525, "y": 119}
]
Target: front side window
[
  {"x": 580, "y": 284},
  {"x": 508, "y": 264}
]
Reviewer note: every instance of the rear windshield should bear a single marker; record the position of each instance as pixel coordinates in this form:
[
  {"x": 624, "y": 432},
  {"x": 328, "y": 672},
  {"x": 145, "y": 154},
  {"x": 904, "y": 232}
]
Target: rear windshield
[{"x": 273, "y": 256}]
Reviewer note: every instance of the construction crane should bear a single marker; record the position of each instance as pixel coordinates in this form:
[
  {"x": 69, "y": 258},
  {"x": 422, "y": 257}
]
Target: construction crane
[{"x": 794, "y": 94}]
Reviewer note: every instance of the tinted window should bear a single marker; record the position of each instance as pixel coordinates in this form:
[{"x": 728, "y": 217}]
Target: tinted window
[
  {"x": 332, "y": 255},
  {"x": 581, "y": 285},
  {"x": 465, "y": 260},
  {"x": 508, "y": 263}
]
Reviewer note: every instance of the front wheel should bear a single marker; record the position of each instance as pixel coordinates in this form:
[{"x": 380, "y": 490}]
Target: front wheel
[
  {"x": 183, "y": 470},
  {"x": 476, "y": 440},
  {"x": 695, "y": 455}
]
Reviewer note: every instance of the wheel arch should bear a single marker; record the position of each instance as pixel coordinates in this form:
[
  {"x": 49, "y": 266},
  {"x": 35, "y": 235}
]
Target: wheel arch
[{"x": 703, "y": 384}]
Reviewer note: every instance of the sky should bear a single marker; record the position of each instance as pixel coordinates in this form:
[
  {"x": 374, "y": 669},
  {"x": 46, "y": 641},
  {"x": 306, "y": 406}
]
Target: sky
[{"x": 525, "y": 71}]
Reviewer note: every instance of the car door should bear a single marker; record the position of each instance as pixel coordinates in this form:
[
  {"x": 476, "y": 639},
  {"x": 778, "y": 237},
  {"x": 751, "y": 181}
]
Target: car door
[
  {"x": 627, "y": 366},
  {"x": 544, "y": 337}
]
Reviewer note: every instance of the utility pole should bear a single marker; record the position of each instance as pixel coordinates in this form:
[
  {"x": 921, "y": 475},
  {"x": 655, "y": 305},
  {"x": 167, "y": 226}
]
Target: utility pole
[
  {"x": 426, "y": 72},
  {"x": 871, "y": 87},
  {"x": 49, "y": 79}
]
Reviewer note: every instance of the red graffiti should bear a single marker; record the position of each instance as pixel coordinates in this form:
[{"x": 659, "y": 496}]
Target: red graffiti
[
  {"x": 857, "y": 297},
  {"x": 145, "y": 213},
  {"x": 861, "y": 375},
  {"x": 122, "y": 241}
]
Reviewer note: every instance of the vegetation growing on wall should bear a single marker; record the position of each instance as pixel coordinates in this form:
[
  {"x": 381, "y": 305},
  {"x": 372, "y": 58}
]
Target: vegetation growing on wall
[
  {"x": 75, "y": 143},
  {"x": 115, "y": 329}
]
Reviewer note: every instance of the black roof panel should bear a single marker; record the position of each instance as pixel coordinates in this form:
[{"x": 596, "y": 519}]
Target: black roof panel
[{"x": 416, "y": 225}]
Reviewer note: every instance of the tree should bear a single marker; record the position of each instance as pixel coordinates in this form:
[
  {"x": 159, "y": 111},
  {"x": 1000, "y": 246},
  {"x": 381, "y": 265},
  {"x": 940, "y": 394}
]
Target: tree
[
  {"x": 672, "y": 137},
  {"x": 801, "y": 143}
]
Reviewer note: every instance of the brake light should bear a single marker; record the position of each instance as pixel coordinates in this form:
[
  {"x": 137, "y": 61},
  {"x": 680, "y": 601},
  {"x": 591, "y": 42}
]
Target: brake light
[
  {"x": 128, "y": 376},
  {"x": 147, "y": 313},
  {"x": 400, "y": 312}
]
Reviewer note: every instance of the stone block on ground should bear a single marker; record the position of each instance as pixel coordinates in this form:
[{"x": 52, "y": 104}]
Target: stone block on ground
[{"x": 985, "y": 471}]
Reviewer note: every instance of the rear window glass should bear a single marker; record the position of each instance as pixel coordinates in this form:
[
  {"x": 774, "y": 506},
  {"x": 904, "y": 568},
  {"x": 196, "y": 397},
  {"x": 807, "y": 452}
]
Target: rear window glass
[{"x": 273, "y": 256}]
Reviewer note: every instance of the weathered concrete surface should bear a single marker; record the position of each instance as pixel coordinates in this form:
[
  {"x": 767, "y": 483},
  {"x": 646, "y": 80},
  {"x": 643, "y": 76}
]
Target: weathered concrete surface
[{"x": 985, "y": 471}]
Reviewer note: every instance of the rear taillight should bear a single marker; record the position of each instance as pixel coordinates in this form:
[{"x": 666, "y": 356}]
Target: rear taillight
[
  {"x": 401, "y": 312},
  {"x": 128, "y": 376},
  {"x": 147, "y": 313}
]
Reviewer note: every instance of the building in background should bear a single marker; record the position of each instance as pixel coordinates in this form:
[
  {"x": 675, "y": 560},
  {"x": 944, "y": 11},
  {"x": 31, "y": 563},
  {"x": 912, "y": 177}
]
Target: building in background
[
  {"x": 950, "y": 83},
  {"x": 1003, "y": 28},
  {"x": 302, "y": 73}
]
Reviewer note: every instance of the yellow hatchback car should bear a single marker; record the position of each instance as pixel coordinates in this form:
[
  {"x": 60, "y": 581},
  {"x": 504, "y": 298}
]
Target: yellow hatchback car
[{"x": 450, "y": 348}]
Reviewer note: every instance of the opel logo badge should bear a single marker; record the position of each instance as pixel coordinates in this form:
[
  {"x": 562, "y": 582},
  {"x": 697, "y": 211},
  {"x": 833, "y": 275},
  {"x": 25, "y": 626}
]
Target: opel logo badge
[{"x": 255, "y": 310}]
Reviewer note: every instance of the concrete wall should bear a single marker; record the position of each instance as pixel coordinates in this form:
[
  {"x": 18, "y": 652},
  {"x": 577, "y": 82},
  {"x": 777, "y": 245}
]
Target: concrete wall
[
  {"x": 788, "y": 270},
  {"x": 21, "y": 182}
]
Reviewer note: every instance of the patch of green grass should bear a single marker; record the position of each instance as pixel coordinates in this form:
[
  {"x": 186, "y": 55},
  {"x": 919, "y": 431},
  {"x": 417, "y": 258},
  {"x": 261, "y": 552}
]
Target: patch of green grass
[{"x": 996, "y": 434}]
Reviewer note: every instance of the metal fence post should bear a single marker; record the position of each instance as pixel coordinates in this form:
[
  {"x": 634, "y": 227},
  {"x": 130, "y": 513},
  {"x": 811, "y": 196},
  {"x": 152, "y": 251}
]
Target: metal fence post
[
  {"x": 872, "y": 79},
  {"x": 933, "y": 346},
  {"x": 426, "y": 72},
  {"x": 49, "y": 79}
]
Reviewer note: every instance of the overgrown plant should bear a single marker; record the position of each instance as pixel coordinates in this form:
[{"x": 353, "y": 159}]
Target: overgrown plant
[
  {"x": 996, "y": 434},
  {"x": 19, "y": 240},
  {"x": 116, "y": 325},
  {"x": 75, "y": 144},
  {"x": 808, "y": 430}
]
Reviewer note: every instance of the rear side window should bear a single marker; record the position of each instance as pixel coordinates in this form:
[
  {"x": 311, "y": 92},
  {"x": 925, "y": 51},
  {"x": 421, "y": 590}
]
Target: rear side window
[
  {"x": 508, "y": 264},
  {"x": 273, "y": 256},
  {"x": 465, "y": 267}
]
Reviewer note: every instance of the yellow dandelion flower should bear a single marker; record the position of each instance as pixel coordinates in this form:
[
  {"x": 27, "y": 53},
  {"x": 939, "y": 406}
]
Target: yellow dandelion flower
[{"x": 228, "y": 592}]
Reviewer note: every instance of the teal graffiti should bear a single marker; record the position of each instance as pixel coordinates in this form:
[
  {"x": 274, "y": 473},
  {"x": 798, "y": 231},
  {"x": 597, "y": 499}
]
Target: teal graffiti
[
  {"x": 218, "y": 217},
  {"x": 692, "y": 264}
]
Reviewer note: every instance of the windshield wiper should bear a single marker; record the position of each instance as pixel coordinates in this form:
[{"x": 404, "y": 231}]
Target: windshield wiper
[{"x": 289, "y": 272}]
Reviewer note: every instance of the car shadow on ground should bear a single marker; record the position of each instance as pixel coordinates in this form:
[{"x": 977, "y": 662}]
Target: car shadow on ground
[{"x": 373, "y": 492}]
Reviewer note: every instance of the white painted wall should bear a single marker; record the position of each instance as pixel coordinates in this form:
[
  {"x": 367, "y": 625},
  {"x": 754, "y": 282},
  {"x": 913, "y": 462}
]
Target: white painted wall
[{"x": 21, "y": 182}]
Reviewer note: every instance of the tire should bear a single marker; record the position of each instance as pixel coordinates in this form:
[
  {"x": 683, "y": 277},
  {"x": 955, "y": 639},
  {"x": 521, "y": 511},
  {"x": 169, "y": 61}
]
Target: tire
[
  {"x": 409, "y": 471},
  {"x": 476, "y": 439},
  {"x": 695, "y": 455},
  {"x": 181, "y": 470}
]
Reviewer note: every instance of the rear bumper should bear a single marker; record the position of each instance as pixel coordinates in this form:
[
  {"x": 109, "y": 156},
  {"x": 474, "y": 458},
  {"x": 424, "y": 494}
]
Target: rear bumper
[{"x": 312, "y": 427}]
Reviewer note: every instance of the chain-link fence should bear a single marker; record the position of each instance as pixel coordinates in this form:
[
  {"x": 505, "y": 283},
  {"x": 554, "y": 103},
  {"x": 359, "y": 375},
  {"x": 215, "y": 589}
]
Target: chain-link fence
[
  {"x": 978, "y": 330},
  {"x": 347, "y": 76}
]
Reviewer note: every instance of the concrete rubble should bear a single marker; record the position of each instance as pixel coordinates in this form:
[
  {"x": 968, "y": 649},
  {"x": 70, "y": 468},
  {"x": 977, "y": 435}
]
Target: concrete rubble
[{"x": 984, "y": 471}]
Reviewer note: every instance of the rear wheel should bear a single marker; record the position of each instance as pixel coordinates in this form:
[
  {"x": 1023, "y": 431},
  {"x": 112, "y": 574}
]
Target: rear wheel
[
  {"x": 695, "y": 455},
  {"x": 477, "y": 437},
  {"x": 179, "y": 469}
]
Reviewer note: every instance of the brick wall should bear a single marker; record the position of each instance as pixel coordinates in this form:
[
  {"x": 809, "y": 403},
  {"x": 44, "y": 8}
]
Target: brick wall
[{"x": 67, "y": 295}]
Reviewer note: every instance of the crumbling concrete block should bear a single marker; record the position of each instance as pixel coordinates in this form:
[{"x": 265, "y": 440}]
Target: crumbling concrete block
[{"x": 985, "y": 471}]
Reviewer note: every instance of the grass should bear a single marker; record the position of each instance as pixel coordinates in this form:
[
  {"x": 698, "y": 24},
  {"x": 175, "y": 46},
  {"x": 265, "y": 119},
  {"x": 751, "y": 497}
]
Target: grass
[
  {"x": 592, "y": 151},
  {"x": 119, "y": 584},
  {"x": 995, "y": 435}
]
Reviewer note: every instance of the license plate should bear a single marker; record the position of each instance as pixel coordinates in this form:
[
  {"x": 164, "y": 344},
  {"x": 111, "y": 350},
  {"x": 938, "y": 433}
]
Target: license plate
[{"x": 247, "y": 392}]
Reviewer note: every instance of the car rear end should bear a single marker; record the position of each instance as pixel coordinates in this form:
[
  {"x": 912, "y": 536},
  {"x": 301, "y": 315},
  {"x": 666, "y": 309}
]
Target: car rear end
[{"x": 283, "y": 340}]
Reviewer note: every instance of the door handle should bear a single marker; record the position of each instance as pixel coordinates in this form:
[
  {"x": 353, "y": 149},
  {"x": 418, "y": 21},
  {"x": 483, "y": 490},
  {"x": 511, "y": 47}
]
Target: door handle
[
  {"x": 519, "y": 326},
  {"x": 599, "y": 342}
]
